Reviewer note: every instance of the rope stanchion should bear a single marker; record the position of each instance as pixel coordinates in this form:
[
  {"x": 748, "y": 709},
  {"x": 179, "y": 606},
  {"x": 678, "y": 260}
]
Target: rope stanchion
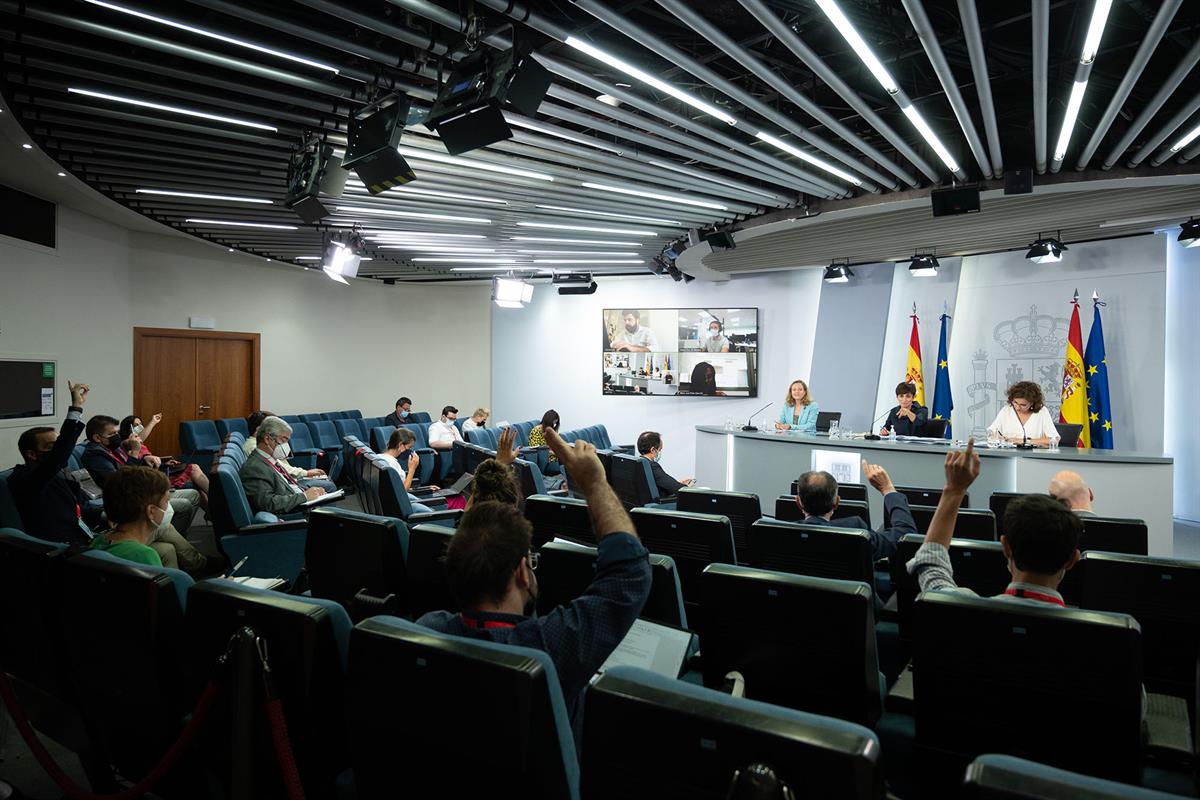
[{"x": 279, "y": 732}]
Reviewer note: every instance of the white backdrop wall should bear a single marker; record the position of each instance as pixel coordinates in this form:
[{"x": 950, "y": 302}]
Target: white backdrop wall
[
  {"x": 1011, "y": 324},
  {"x": 548, "y": 355},
  {"x": 1183, "y": 374},
  {"x": 323, "y": 345}
]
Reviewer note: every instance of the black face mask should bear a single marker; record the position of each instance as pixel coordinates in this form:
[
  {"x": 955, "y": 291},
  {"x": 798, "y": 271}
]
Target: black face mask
[{"x": 113, "y": 442}]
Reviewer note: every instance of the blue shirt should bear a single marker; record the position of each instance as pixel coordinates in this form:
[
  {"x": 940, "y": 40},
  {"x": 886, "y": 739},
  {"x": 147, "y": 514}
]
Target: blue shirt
[
  {"x": 807, "y": 415},
  {"x": 580, "y": 636}
]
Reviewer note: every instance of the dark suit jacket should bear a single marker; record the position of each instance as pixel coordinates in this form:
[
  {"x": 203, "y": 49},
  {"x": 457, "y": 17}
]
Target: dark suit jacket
[
  {"x": 898, "y": 522},
  {"x": 100, "y": 462},
  {"x": 45, "y": 496},
  {"x": 266, "y": 489},
  {"x": 396, "y": 420},
  {"x": 667, "y": 486},
  {"x": 902, "y": 424}
]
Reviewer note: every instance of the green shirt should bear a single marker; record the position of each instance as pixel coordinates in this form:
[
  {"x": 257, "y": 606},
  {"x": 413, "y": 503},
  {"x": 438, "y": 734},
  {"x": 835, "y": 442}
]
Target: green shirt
[{"x": 128, "y": 550}]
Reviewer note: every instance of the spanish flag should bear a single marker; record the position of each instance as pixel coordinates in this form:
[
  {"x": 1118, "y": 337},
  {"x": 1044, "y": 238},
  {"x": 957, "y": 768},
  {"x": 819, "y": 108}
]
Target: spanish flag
[
  {"x": 1074, "y": 408},
  {"x": 913, "y": 373}
]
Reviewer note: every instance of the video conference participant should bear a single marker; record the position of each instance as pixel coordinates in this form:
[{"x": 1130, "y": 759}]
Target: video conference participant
[
  {"x": 703, "y": 381},
  {"x": 650, "y": 447},
  {"x": 716, "y": 342},
  {"x": 635, "y": 338},
  {"x": 799, "y": 412},
  {"x": 1024, "y": 418},
  {"x": 909, "y": 416}
]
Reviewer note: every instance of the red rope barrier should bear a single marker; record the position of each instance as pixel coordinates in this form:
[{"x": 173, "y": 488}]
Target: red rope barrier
[{"x": 283, "y": 750}]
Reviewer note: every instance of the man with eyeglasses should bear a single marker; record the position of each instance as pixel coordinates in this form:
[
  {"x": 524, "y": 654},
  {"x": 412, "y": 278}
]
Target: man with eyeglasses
[{"x": 492, "y": 573}]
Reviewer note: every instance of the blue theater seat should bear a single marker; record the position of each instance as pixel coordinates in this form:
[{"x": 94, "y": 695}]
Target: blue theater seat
[
  {"x": 230, "y": 425},
  {"x": 199, "y": 441},
  {"x": 273, "y": 548}
]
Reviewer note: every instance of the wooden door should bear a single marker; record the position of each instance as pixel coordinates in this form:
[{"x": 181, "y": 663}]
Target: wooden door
[{"x": 186, "y": 375}]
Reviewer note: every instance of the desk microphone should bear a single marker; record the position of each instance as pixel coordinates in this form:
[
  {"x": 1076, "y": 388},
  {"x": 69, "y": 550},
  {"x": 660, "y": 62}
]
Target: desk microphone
[
  {"x": 872, "y": 436},
  {"x": 748, "y": 426},
  {"x": 1024, "y": 445}
]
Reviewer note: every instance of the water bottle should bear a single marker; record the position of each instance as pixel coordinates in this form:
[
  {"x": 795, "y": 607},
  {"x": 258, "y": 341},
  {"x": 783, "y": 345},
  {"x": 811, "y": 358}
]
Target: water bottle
[
  {"x": 835, "y": 431},
  {"x": 729, "y": 423},
  {"x": 892, "y": 434}
]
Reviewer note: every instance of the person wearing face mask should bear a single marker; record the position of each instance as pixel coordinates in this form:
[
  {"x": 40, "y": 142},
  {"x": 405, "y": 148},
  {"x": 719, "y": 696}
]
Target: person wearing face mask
[
  {"x": 650, "y": 447},
  {"x": 477, "y": 420},
  {"x": 402, "y": 413},
  {"x": 51, "y": 504},
  {"x": 138, "y": 507},
  {"x": 444, "y": 433},
  {"x": 491, "y": 570},
  {"x": 186, "y": 476},
  {"x": 400, "y": 456},
  {"x": 269, "y": 487},
  {"x": 716, "y": 341},
  {"x": 307, "y": 478}
]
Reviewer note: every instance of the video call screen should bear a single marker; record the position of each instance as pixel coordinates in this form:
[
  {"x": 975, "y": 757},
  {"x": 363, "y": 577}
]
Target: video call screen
[{"x": 691, "y": 352}]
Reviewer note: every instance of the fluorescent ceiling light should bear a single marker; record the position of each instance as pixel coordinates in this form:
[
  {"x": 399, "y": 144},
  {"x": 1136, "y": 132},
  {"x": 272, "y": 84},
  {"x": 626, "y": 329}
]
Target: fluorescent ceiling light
[
  {"x": 930, "y": 137},
  {"x": 586, "y": 229},
  {"x": 499, "y": 269},
  {"x": 588, "y": 261},
  {"x": 467, "y": 260},
  {"x": 231, "y": 223},
  {"x": 573, "y": 253},
  {"x": 403, "y": 190},
  {"x": 486, "y": 166},
  {"x": 1068, "y": 124},
  {"x": 397, "y": 232},
  {"x": 173, "y": 109},
  {"x": 1095, "y": 30},
  {"x": 423, "y": 248},
  {"x": 816, "y": 162},
  {"x": 645, "y": 77},
  {"x": 1186, "y": 140},
  {"x": 573, "y": 241},
  {"x": 388, "y": 212},
  {"x": 26, "y": 146},
  {"x": 590, "y": 212},
  {"x": 307, "y": 258},
  {"x": 669, "y": 198},
  {"x": 62, "y": 174},
  {"x": 212, "y": 35},
  {"x": 839, "y": 20},
  {"x": 521, "y": 122},
  {"x": 200, "y": 196},
  {"x": 705, "y": 176}
]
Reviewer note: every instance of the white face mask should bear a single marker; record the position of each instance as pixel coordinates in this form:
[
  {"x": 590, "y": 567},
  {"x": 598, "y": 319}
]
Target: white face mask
[
  {"x": 167, "y": 513},
  {"x": 282, "y": 450},
  {"x": 137, "y": 430}
]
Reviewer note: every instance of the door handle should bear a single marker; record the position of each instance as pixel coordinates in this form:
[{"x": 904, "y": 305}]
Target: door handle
[{"x": 205, "y": 408}]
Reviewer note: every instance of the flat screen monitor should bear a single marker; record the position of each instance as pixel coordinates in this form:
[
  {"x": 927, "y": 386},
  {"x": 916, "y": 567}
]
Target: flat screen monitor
[
  {"x": 28, "y": 389},
  {"x": 680, "y": 352}
]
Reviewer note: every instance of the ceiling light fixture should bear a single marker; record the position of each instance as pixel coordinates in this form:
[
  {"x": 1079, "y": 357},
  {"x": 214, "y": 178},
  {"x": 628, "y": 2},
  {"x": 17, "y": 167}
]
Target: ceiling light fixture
[
  {"x": 1090, "y": 46},
  {"x": 500, "y": 269},
  {"x": 486, "y": 166},
  {"x": 521, "y": 122},
  {"x": 597, "y": 253},
  {"x": 201, "y": 196},
  {"x": 1186, "y": 139},
  {"x": 592, "y": 213},
  {"x": 343, "y": 254},
  {"x": 588, "y": 260},
  {"x": 839, "y": 271},
  {"x": 467, "y": 260},
  {"x": 397, "y": 233},
  {"x": 1189, "y": 233},
  {"x": 233, "y": 224},
  {"x": 212, "y": 35},
  {"x": 650, "y": 80},
  {"x": 26, "y": 146},
  {"x": 931, "y": 138},
  {"x": 1046, "y": 250},
  {"x": 811, "y": 159},
  {"x": 852, "y": 37},
  {"x": 187, "y": 112},
  {"x": 641, "y": 192},
  {"x": 586, "y": 229},
  {"x": 62, "y": 174},
  {"x": 400, "y": 191},
  {"x": 573, "y": 241},
  {"x": 511, "y": 292},
  {"x": 923, "y": 266},
  {"x": 388, "y": 212}
]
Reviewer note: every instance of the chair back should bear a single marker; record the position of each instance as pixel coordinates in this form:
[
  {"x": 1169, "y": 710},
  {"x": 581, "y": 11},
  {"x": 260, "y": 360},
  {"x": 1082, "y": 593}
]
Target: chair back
[
  {"x": 231, "y": 425},
  {"x": 820, "y": 551},
  {"x": 199, "y": 436},
  {"x": 846, "y": 491},
  {"x": 826, "y": 417},
  {"x": 853, "y": 508},
  {"x": 1114, "y": 535},
  {"x": 633, "y": 481},
  {"x": 421, "y": 417},
  {"x": 1068, "y": 433},
  {"x": 742, "y": 509},
  {"x": 380, "y": 435},
  {"x": 31, "y": 644},
  {"x": 10, "y": 516},
  {"x": 918, "y": 496},
  {"x": 428, "y": 589},
  {"x": 559, "y": 517},
  {"x": 971, "y": 523},
  {"x": 347, "y": 552},
  {"x": 998, "y": 502},
  {"x": 693, "y": 540},
  {"x": 979, "y": 566},
  {"x": 934, "y": 429}
]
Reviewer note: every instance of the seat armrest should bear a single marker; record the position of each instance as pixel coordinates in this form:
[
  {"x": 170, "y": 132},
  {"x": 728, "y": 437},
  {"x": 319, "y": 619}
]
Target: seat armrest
[
  {"x": 559, "y": 493},
  {"x": 1166, "y": 731},
  {"x": 435, "y": 516},
  {"x": 900, "y": 697},
  {"x": 624, "y": 449},
  {"x": 273, "y": 527}
]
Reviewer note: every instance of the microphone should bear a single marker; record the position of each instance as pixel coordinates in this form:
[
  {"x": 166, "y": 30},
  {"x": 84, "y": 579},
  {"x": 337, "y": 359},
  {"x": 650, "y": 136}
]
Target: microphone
[
  {"x": 871, "y": 434},
  {"x": 1024, "y": 445},
  {"x": 748, "y": 426}
]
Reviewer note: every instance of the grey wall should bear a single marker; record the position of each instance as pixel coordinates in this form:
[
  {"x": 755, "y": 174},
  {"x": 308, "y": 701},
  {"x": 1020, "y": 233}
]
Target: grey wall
[{"x": 1183, "y": 374}]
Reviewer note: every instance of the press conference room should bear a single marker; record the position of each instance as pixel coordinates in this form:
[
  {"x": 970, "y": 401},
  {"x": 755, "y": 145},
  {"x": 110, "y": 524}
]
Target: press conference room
[{"x": 666, "y": 398}]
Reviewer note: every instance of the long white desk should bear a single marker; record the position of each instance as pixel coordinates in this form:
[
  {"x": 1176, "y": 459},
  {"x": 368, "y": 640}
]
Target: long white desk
[{"x": 1126, "y": 484}]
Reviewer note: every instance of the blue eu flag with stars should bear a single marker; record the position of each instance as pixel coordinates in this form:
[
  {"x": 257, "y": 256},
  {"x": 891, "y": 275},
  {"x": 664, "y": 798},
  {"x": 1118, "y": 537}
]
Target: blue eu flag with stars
[
  {"x": 943, "y": 400},
  {"x": 1095, "y": 367}
]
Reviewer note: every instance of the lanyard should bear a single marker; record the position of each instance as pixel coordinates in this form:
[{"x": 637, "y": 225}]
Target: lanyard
[
  {"x": 471, "y": 622},
  {"x": 1045, "y": 598},
  {"x": 280, "y": 470}
]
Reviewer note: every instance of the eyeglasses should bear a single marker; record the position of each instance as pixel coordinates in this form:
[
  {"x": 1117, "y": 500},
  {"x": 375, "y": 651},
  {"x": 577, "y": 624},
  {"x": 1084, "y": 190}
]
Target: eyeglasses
[{"x": 533, "y": 560}]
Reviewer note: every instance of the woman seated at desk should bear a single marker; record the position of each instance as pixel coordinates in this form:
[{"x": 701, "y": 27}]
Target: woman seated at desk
[
  {"x": 1025, "y": 418},
  {"x": 799, "y": 411}
]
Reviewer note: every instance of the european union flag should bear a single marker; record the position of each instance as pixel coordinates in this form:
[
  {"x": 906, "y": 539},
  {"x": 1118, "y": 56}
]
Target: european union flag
[
  {"x": 943, "y": 401},
  {"x": 1095, "y": 366}
]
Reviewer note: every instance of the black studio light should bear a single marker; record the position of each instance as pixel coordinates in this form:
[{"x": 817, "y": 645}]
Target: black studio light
[
  {"x": 1189, "y": 233},
  {"x": 1046, "y": 250},
  {"x": 839, "y": 271},
  {"x": 313, "y": 171},
  {"x": 923, "y": 266}
]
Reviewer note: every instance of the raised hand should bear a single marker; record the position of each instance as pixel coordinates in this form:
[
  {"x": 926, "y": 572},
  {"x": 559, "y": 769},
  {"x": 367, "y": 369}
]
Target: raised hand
[
  {"x": 157, "y": 418},
  {"x": 505, "y": 453},
  {"x": 579, "y": 459},
  {"x": 79, "y": 393},
  {"x": 962, "y": 467},
  {"x": 877, "y": 476}
]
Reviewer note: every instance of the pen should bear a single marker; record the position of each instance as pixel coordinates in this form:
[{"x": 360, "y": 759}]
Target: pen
[{"x": 237, "y": 566}]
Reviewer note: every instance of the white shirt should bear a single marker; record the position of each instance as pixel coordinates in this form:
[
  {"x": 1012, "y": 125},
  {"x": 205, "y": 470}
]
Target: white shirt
[
  {"x": 1039, "y": 426},
  {"x": 642, "y": 337},
  {"x": 470, "y": 425},
  {"x": 443, "y": 432},
  {"x": 392, "y": 461},
  {"x": 715, "y": 344}
]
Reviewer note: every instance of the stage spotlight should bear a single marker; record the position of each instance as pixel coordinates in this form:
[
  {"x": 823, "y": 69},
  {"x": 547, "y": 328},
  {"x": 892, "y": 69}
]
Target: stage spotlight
[
  {"x": 1189, "y": 233},
  {"x": 659, "y": 265},
  {"x": 838, "y": 272},
  {"x": 510, "y": 292},
  {"x": 923, "y": 266},
  {"x": 674, "y": 272},
  {"x": 343, "y": 255},
  {"x": 313, "y": 171},
  {"x": 688, "y": 278},
  {"x": 375, "y": 131},
  {"x": 1047, "y": 250}
]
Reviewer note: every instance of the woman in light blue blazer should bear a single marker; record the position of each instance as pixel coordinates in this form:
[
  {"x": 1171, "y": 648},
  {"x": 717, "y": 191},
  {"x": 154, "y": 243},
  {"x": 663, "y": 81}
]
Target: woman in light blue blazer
[{"x": 799, "y": 410}]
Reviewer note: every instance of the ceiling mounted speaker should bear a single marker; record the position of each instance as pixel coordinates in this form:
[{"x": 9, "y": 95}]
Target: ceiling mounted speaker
[
  {"x": 950, "y": 202},
  {"x": 1018, "y": 181}
]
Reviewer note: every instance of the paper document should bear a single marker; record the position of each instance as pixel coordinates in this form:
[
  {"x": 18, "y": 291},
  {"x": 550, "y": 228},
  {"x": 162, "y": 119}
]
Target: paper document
[
  {"x": 649, "y": 645},
  {"x": 259, "y": 583},
  {"x": 47, "y": 402},
  {"x": 328, "y": 497}
]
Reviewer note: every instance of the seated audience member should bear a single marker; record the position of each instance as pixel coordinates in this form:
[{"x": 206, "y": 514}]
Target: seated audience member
[
  {"x": 818, "y": 499},
  {"x": 799, "y": 410},
  {"x": 909, "y": 416},
  {"x": 1068, "y": 487},
  {"x": 537, "y": 438},
  {"x": 49, "y": 501},
  {"x": 269, "y": 487},
  {"x": 443, "y": 433},
  {"x": 400, "y": 447},
  {"x": 1024, "y": 419},
  {"x": 185, "y": 476},
  {"x": 477, "y": 420},
  {"x": 650, "y": 447},
  {"x": 491, "y": 571},
  {"x": 1040, "y": 539},
  {"x": 136, "y": 500},
  {"x": 493, "y": 479},
  {"x": 106, "y": 452},
  {"x": 401, "y": 414},
  {"x": 307, "y": 478}
]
